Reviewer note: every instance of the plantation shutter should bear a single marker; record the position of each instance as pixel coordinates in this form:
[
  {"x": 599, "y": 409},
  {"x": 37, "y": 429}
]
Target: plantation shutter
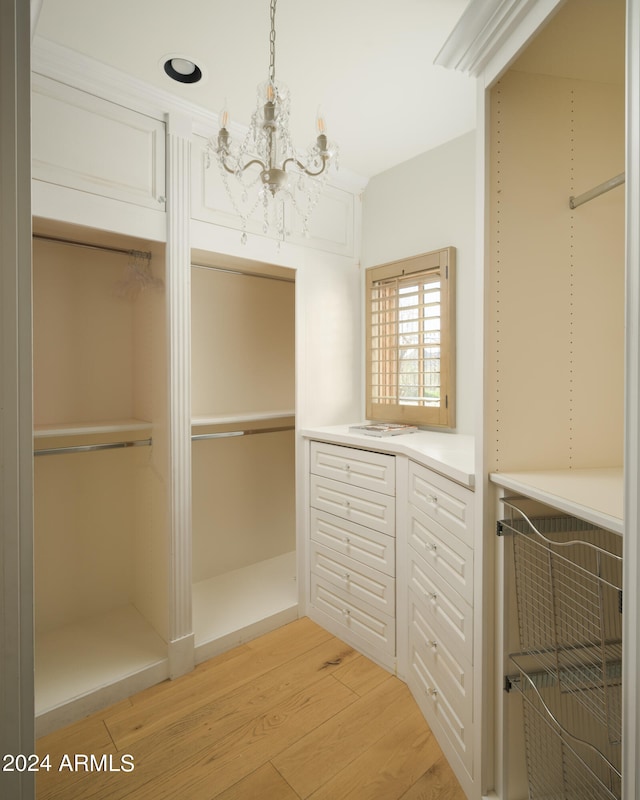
[{"x": 409, "y": 351}]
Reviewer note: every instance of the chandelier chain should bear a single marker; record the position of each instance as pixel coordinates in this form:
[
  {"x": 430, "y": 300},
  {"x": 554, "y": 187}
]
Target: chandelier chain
[{"x": 272, "y": 43}]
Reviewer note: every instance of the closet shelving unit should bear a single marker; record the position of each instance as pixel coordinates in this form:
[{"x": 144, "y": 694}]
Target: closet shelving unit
[
  {"x": 243, "y": 457},
  {"x": 99, "y": 499},
  {"x": 555, "y": 387}
]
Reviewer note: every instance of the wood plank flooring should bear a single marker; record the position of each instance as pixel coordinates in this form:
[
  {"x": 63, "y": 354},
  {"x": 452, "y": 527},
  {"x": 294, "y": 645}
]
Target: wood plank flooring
[{"x": 292, "y": 715}]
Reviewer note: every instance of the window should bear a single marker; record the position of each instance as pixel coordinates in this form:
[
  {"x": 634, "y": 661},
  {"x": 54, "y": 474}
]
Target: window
[{"x": 411, "y": 340}]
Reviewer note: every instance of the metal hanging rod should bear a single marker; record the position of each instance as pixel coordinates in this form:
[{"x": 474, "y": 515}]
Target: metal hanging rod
[
  {"x": 244, "y": 274},
  {"x": 574, "y": 202},
  {"x": 87, "y": 448},
  {"x": 108, "y": 248},
  {"x": 227, "y": 434}
]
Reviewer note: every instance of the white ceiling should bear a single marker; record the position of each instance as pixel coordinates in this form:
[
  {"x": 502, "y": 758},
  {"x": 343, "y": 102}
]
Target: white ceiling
[{"x": 367, "y": 63}]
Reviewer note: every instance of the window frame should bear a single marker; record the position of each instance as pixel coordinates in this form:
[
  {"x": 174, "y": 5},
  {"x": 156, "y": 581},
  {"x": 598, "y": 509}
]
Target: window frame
[{"x": 443, "y": 263}]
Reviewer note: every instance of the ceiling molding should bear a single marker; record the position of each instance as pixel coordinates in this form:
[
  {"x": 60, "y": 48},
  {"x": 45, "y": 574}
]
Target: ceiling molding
[{"x": 493, "y": 31}]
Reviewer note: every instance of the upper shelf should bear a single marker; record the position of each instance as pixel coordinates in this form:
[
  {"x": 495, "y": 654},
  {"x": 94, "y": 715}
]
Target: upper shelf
[{"x": 594, "y": 495}]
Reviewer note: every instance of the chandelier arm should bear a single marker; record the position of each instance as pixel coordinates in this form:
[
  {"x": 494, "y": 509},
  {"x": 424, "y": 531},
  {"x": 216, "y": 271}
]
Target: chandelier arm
[
  {"x": 305, "y": 169},
  {"x": 254, "y": 161},
  {"x": 246, "y": 166}
]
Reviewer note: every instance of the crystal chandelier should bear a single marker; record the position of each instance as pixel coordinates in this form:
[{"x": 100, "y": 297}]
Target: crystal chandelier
[{"x": 266, "y": 170}]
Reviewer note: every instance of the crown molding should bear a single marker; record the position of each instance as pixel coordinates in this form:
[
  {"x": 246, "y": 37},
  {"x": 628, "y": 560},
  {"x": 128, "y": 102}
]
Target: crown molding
[{"x": 490, "y": 33}]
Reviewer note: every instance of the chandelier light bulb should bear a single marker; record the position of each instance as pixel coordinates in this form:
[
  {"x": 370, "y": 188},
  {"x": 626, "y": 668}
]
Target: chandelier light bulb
[
  {"x": 321, "y": 126},
  {"x": 223, "y": 116}
]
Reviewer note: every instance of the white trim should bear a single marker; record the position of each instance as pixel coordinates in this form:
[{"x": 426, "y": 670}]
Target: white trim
[
  {"x": 181, "y": 656},
  {"x": 178, "y": 278},
  {"x": 631, "y": 563},
  {"x": 490, "y": 33},
  {"x": 36, "y": 8}
]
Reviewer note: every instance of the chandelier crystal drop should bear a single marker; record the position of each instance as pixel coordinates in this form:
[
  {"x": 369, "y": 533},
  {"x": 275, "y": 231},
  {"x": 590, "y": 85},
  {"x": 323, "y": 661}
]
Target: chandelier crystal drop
[{"x": 265, "y": 170}]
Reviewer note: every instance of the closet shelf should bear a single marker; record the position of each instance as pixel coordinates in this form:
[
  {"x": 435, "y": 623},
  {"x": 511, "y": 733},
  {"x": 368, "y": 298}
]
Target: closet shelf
[
  {"x": 255, "y": 598},
  {"x": 90, "y": 428},
  {"x": 95, "y": 661},
  {"x": 593, "y": 495},
  {"x": 232, "y": 419}
]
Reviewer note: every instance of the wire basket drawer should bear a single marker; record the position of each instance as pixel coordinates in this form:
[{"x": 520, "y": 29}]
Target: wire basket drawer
[
  {"x": 568, "y": 586},
  {"x": 560, "y": 765}
]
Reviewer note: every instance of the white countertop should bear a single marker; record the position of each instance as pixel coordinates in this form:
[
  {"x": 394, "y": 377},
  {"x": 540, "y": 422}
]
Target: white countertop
[
  {"x": 450, "y": 454},
  {"x": 594, "y": 495}
]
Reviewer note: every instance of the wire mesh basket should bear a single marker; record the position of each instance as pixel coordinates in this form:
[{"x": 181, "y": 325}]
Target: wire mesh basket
[
  {"x": 561, "y": 765},
  {"x": 568, "y": 582}
]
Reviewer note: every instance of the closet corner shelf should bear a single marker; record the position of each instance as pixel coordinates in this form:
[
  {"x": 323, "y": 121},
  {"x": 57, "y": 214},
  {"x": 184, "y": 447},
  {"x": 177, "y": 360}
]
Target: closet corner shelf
[{"x": 594, "y": 495}]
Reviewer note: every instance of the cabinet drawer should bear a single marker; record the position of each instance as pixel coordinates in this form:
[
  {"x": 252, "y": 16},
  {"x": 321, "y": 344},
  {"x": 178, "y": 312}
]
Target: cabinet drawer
[
  {"x": 452, "y": 672},
  {"x": 355, "y": 580},
  {"x": 374, "y": 471},
  {"x": 449, "y": 556},
  {"x": 359, "y": 618},
  {"x": 370, "y": 547},
  {"x": 357, "y": 505},
  {"x": 443, "y": 500},
  {"x": 444, "y": 608},
  {"x": 440, "y": 711}
]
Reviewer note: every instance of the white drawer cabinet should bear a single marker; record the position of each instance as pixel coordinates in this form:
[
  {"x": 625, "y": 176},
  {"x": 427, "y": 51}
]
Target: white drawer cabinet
[
  {"x": 448, "y": 503},
  {"x": 451, "y": 671},
  {"x": 392, "y": 572},
  {"x": 352, "y": 521},
  {"x": 439, "y": 698},
  {"x": 355, "y": 579},
  {"x": 446, "y": 609},
  {"x": 371, "y": 509},
  {"x": 377, "y": 630},
  {"x": 366, "y": 545},
  {"x": 375, "y": 471},
  {"x": 440, "y": 600},
  {"x": 448, "y": 556}
]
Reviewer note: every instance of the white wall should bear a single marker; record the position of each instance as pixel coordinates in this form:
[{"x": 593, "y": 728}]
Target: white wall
[{"x": 425, "y": 204}]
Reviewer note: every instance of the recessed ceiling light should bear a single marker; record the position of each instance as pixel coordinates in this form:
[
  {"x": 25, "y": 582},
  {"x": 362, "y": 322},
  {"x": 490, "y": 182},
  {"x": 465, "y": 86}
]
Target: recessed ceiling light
[{"x": 182, "y": 70}]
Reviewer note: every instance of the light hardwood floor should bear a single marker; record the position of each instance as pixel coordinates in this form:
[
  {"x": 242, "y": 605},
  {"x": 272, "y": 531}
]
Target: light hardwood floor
[{"x": 294, "y": 714}]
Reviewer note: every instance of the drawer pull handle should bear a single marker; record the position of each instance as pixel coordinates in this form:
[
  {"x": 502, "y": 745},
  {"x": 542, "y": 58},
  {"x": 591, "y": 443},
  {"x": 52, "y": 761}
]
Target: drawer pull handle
[
  {"x": 433, "y": 693},
  {"x": 433, "y": 548},
  {"x": 432, "y": 498},
  {"x": 347, "y": 540},
  {"x": 347, "y": 467},
  {"x": 346, "y": 612},
  {"x": 347, "y": 577},
  {"x": 432, "y": 596},
  {"x": 432, "y": 643}
]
